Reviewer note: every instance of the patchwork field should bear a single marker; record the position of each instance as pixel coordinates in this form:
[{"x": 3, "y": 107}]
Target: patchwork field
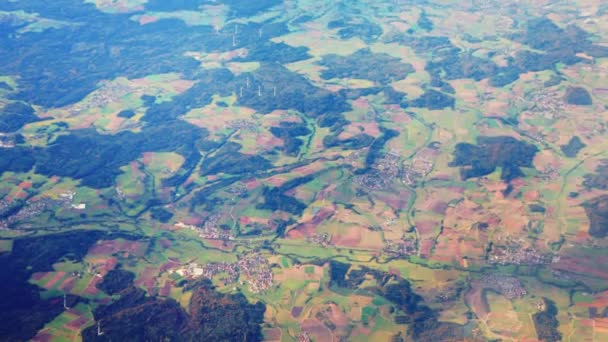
[{"x": 304, "y": 170}]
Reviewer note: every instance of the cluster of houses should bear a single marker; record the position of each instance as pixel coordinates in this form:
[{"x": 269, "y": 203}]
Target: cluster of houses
[
  {"x": 209, "y": 230},
  {"x": 252, "y": 268},
  {"x": 402, "y": 248},
  {"x": 33, "y": 208},
  {"x": 516, "y": 255},
  {"x": 510, "y": 287},
  {"x": 420, "y": 166},
  {"x": 384, "y": 171}
]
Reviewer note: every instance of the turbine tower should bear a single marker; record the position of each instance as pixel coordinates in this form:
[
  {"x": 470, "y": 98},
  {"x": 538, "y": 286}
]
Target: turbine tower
[
  {"x": 65, "y": 302},
  {"x": 99, "y": 332}
]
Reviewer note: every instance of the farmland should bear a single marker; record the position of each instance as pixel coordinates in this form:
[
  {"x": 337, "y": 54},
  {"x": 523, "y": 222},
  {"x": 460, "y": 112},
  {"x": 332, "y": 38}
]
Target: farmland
[{"x": 314, "y": 170}]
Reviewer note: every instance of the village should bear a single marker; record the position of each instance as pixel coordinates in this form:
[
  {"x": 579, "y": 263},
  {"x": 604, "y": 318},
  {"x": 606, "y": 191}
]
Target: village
[
  {"x": 384, "y": 171},
  {"x": 547, "y": 103},
  {"x": 403, "y": 248},
  {"x": 253, "y": 267},
  {"x": 510, "y": 287},
  {"x": 245, "y": 125},
  {"x": 323, "y": 239},
  {"x": 516, "y": 255},
  {"x": 209, "y": 230},
  {"x": 11, "y": 212},
  {"x": 109, "y": 92},
  {"x": 419, "y": 167},
  {"x": 7, "y": 140}
]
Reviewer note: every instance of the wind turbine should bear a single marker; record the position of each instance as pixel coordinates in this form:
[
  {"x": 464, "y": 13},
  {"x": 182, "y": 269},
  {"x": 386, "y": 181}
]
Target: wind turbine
[{"x": 99, "y": 332}]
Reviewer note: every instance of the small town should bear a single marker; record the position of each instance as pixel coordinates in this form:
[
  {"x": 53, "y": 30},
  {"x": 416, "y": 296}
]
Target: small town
[
  {"x": 410, "y": 175},
  {"x": 384, "y": 171},
  {"x": 209, "y": 230},
  {"x": 548, "y": 103},
  {"x": 419, "y": 167},
  {"x": 34, "y": 208},
  {"x": 253, "y": 267},
  {"x": 515, "y": 255},
  {"x": 510, "y": 287}
]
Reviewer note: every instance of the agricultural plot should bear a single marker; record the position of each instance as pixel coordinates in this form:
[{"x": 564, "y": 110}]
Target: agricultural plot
[{"x": 312, "y": 170}]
